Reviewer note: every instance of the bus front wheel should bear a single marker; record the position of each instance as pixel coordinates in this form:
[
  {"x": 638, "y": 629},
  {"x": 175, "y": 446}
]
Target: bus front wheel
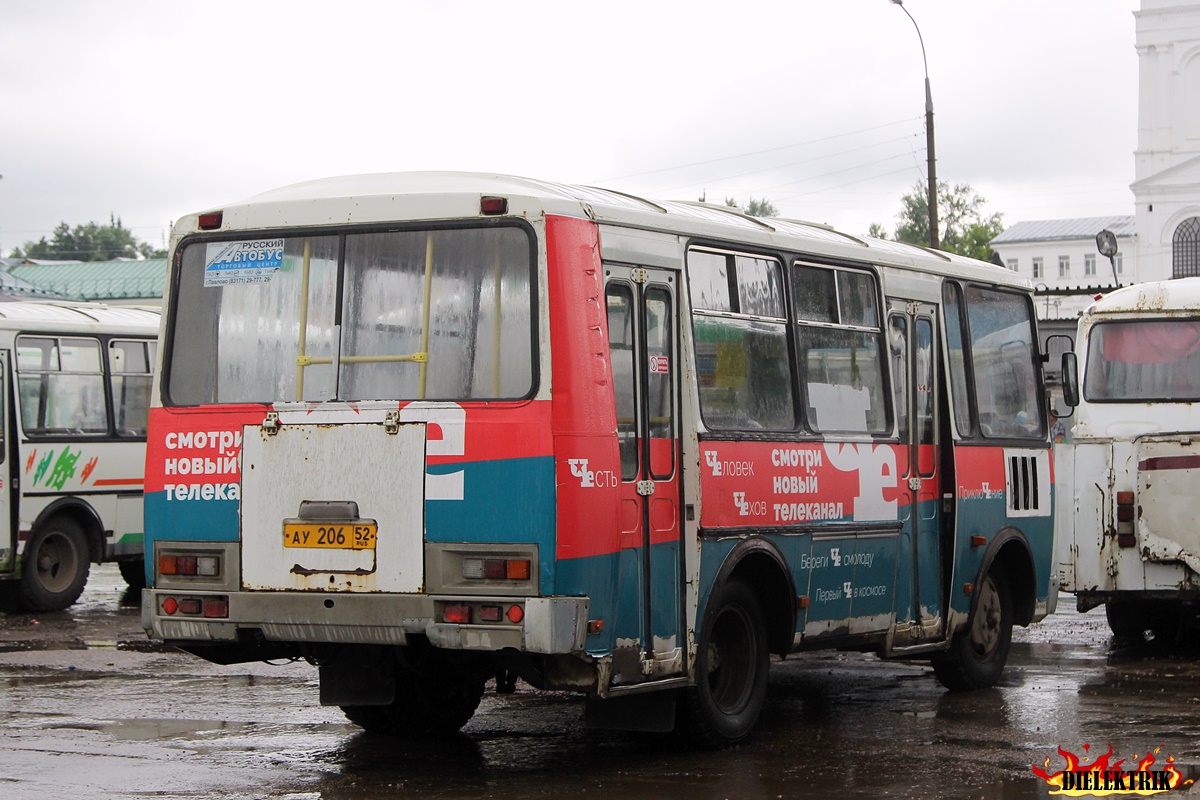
[
  {"x": 731, "y": 667},
  {"x": 54, "y": 567},
  {"x": 978, "y": 653}
]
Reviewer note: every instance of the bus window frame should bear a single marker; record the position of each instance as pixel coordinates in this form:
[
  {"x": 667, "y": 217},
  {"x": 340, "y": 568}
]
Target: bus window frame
[
  {"x": 889, "y": 430},
  {"x": 102, "y": 339},
  {"x": 171, "y": 304},
  {"x": 728, "y": 250},
  {"x": 976, "y": 433}
]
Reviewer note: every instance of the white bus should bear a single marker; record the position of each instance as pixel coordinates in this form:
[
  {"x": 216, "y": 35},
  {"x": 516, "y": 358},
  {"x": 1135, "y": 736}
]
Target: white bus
[
  {"x": 74, "y": 395},
  {"x": 1127, "y": 529}
]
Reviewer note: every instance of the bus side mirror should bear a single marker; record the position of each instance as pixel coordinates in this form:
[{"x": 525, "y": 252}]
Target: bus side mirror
[{"x": 1070, "y": 379}]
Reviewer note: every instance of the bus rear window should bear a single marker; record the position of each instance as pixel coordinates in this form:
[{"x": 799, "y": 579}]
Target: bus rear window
[
  {"x": 377, "y": 315},
  {"x": 1146, "y": 360}
]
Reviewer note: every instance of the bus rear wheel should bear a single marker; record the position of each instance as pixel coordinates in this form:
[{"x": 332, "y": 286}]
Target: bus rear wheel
[
  {"x": 732, "y": 663},
  {"x": 437, "y": 700},
  {"x": 54, "y": 567},
  {"x": 134, "y": 573},
  {"x": 1139, "y": 620},
  {"x": 978, "y": 653}
]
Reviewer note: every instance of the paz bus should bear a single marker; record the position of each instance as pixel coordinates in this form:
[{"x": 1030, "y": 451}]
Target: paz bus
[
  {"x": 1127, "y": 533},
  {"x": 429, "y": 430},
  {"x": 74, "y": 404}
]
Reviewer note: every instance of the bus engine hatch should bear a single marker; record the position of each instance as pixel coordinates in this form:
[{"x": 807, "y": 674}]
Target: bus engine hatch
[{"x": 333, "y": 508}]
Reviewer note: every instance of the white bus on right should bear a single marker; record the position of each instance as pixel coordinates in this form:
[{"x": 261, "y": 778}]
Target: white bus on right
[{"x": 1128, "y": 524}]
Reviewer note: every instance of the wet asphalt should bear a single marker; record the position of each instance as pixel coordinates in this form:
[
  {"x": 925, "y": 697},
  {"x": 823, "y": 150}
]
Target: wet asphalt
[{"x": 90, "y": 709}]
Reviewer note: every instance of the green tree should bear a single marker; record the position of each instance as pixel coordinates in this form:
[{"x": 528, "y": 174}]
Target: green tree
[
  {"x": 90, "y": 242},
  {"x": 964, "y": 226},
  {"x": 755, "y": 208},
  {"x": 877, "y": 231}
]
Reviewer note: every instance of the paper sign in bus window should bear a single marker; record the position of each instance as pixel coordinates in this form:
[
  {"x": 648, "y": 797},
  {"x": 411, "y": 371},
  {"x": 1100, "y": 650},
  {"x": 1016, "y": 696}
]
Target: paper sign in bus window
[{"x": 233, "y": 263}]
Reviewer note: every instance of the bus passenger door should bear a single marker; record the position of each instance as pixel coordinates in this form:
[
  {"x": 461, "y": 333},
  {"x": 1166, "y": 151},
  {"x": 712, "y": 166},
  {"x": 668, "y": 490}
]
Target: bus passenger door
[
  {"x": 644, "y": 348},
  {"x": 920, "y": 614}
]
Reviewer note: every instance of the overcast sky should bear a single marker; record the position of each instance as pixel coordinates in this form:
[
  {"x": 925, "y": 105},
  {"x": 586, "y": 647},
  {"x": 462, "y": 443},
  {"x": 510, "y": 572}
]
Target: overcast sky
[{"x": 150, "y": 110}]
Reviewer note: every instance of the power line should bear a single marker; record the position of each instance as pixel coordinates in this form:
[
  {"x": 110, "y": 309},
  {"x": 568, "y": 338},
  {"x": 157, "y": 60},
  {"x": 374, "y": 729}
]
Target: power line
[
  {"x": 823, "y": 157},
  {"x": 756, "y": 152}
]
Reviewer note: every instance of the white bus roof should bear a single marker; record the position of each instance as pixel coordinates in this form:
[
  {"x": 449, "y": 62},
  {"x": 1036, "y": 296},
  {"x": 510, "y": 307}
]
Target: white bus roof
[
  {"x": 393, "y": 197},
  {"x": 1150, "y": 298},
  {"x": 66, "y": 316}
]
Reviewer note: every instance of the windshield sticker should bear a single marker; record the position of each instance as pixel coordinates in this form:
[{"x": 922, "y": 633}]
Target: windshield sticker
[{"x": 232, "y": 263}]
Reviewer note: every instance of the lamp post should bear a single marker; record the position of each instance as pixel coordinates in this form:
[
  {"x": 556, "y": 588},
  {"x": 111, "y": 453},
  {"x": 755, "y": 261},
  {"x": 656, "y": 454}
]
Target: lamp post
[{"x": 931, "y": 159}]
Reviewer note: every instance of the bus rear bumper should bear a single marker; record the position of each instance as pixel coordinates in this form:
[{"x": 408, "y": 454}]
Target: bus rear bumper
[{"x": 545, "y": 625}]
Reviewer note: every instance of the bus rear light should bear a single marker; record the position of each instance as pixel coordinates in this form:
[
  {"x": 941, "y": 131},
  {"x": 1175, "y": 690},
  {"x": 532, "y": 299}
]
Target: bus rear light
[
  {"x": 188, "y": 605},
  {"x": 458, "y": 613},
  {"x": 496, "y": 569},
  {"x": 201, "y": 566},
  {"x": 490, "y": 613},
  {"x": 210, "y": 220},
  {"x": 493, "y": 206},
  {"x": 211, "y": 607},
  {"x": 515, "y": 614},
  {"x": 1126, "y": 513},
  {"x": 216, "y": 607}
]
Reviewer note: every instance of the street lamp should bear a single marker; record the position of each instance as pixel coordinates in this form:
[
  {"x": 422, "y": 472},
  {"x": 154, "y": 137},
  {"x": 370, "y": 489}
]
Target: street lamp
[{"x": 933, "y": 222}]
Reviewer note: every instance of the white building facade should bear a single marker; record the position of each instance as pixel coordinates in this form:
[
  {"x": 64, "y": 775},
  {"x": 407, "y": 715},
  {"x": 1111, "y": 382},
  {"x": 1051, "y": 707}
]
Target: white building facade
[
  {"x": 1162, "y": 238},
  {"x": 1166, "y": 184}
]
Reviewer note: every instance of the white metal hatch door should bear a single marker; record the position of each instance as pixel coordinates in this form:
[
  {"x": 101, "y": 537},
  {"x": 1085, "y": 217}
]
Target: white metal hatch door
[{"x": 333, "y": 508}]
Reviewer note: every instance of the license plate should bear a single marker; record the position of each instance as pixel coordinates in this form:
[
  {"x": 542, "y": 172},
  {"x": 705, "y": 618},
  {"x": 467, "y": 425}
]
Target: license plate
[{"x": 336, "y": 535}]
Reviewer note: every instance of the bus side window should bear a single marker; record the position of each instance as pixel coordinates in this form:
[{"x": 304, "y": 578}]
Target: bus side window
[
  {"x": 1006, "y": 385},
  {"x": 130, "y": 363},
  {"x": 740, "y": 329},
  {"x": 61, "y": 386},
  {"x": 840, "y": 349}
]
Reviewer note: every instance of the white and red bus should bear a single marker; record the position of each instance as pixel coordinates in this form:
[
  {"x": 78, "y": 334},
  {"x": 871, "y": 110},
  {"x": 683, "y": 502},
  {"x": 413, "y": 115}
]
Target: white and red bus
[
  {"x": 74, "y": 405},
  {"x": 430, "y": 429}
]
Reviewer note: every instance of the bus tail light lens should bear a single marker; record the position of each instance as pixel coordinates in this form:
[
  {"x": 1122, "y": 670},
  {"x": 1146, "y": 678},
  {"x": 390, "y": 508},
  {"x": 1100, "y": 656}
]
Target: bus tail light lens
[
  {"x": 457, "y": 613},
  {"x": 190, "y": 605},
  {"x": 216, "y": 607},
  {"x": 493, "y": 206},
  {"x": 209, "y": 607},
  {"x": 1126, "y": 513},
  {"x": 496, "y": 569},
  {"x": 198, "y": 566},
  {"x": 211, "y": 220}
]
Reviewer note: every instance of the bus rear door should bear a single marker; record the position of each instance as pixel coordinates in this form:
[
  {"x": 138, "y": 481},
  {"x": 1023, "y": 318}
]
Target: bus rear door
[{"x": 643, "y": 346}]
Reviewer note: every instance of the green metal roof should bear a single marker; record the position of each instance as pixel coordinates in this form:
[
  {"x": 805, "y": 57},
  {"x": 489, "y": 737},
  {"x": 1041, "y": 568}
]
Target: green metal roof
[{"x": 98, "y": 280}]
